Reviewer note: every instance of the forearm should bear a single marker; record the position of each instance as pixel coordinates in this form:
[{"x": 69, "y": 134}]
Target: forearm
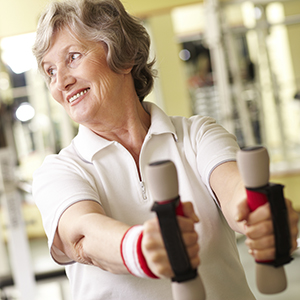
[
  {"x": 232, "y": 209},
  {"x": 231, "y": 194},
  {"x": 87, "y": 236}
]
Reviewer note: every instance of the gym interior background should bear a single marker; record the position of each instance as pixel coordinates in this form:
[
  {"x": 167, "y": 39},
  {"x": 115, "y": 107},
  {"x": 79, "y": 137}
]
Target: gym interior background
[{"x": 237, "y": 61}]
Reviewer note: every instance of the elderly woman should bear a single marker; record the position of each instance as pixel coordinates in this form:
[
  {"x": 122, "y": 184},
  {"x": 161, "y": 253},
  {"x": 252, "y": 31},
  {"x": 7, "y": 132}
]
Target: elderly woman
[{"x": 93, "y": 193}]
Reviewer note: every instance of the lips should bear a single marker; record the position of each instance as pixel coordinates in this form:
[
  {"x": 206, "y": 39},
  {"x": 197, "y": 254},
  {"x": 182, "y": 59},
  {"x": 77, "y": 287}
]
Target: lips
[{"x": 77, "y": 95}]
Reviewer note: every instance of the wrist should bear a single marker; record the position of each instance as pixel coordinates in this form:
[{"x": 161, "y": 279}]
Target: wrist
[{"x": 132, "y": 255}]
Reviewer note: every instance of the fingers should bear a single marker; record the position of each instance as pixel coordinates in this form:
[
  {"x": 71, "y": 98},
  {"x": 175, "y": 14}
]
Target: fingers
[
  {"x": 188, "y": 210},
  {"x": 267, "y": 242},
  {"x": 260, "y": 233},
  {"x": 153, "y": 245},
  {"x": 243, "y": 211},
  {"x": 154, "y": 250},
  {"x": 261, "y": 214},
  {"x": 259, "y": 230},
  {"x": 263, "y": 255},
  {"x": 190, "y": 240},
  {"x": 260, "y": 237}
]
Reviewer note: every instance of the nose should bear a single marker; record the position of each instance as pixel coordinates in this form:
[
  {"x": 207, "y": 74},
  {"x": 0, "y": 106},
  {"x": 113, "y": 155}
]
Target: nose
[{"x": 64, "y": 79}]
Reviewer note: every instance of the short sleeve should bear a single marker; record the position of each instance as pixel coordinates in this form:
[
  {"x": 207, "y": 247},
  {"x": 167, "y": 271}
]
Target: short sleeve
[
  {"x": 57, "y": 184},
  {"x": 213, "y": 145}
]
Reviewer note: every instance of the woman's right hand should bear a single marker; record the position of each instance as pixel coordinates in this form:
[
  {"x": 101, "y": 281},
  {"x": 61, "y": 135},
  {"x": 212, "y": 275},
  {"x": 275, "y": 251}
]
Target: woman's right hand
[{"x": 153, "y": 246}]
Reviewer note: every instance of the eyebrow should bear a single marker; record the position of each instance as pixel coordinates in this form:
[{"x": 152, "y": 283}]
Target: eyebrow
[{"x": 62, "y": 52}]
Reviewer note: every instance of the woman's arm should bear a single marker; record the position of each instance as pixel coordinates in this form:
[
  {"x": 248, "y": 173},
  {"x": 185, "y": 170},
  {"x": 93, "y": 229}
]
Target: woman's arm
[
  {"x": 86, "y": 235},
  {"x": 228, "y": 187}
]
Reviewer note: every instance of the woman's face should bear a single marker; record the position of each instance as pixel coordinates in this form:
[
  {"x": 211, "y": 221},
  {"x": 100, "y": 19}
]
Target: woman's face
[{"x": 81, "y": 80}]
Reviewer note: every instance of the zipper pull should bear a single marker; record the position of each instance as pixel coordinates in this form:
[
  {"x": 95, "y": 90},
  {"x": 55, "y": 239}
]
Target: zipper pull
[{"x": 144, "y": 194}]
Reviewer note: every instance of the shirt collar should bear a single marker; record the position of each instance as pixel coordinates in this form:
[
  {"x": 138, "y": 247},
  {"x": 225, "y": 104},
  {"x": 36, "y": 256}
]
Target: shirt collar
[
  {"x": 160, "y": 122},
  {"x": 87, "y": 143}
]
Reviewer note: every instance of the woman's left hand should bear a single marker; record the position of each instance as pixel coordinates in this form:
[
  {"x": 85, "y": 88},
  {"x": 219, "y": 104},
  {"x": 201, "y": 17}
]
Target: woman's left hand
[{"x": 260, "y": 233}]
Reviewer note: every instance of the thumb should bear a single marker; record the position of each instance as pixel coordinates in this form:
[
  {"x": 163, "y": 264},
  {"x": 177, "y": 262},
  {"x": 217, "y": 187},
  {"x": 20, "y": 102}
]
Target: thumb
[
  {"x": 189, "y": 212},
  {"x": 242, "y": 212}
]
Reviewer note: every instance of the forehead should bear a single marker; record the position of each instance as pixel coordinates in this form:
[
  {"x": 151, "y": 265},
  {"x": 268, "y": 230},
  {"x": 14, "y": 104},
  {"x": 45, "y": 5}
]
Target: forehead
[
  {"x": 60, "y": 42},
  {"x": 63, "y": 41}
]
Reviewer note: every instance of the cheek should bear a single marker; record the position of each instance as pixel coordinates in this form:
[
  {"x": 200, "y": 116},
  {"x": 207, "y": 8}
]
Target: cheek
[
  {"x": 102, "y": 81},
  {"x": 98, "y": 71}
]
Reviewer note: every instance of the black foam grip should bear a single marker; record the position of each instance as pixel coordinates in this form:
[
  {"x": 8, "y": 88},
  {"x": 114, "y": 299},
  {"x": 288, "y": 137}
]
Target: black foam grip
[{"x": 178, "y": 257}]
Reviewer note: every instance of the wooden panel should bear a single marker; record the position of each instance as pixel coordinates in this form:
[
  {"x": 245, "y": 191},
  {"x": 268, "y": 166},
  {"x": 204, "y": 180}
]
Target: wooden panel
[
  {"x": 145, "y": 7},
  {"x": 21, "y": 16},
  {"x": 291, "y": 184},
  {"x": 32, "y": 219}
]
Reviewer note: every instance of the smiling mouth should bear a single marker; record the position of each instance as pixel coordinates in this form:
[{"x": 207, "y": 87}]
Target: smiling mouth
[{"x": 73, "y": 98}]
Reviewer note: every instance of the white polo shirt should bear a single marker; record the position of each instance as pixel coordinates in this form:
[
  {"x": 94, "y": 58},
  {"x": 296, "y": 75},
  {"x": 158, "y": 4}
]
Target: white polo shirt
[{"x": 93, "y": 168}]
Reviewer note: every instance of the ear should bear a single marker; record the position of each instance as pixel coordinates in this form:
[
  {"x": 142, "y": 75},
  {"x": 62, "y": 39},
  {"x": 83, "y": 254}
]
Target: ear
[{"x": 127, "y": 70}]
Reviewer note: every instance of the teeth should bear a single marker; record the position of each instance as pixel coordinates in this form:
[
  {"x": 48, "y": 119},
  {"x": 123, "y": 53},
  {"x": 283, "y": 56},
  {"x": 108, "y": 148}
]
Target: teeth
[{"x": 77, "y": 95}]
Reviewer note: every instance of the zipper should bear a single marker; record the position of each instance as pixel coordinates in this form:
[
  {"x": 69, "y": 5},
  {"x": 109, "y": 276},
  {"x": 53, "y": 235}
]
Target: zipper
[
  {"x": 142, "y": 185},
  {"x": 143, "y": 189},
  {"x": 144, "y": 194}
]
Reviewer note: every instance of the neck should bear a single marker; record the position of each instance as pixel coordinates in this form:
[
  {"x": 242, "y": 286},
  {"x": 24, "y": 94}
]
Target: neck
[{"x": 129, "y": 128}]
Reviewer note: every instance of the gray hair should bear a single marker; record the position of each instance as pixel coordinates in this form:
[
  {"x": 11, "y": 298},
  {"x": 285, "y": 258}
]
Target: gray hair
[{"x": 105, "y": 21}]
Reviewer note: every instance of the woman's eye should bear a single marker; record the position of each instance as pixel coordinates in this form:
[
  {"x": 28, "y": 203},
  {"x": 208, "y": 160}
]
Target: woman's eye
[
  {"x": 51, "y": 72},
  {"x": 74, "y": 56}
]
